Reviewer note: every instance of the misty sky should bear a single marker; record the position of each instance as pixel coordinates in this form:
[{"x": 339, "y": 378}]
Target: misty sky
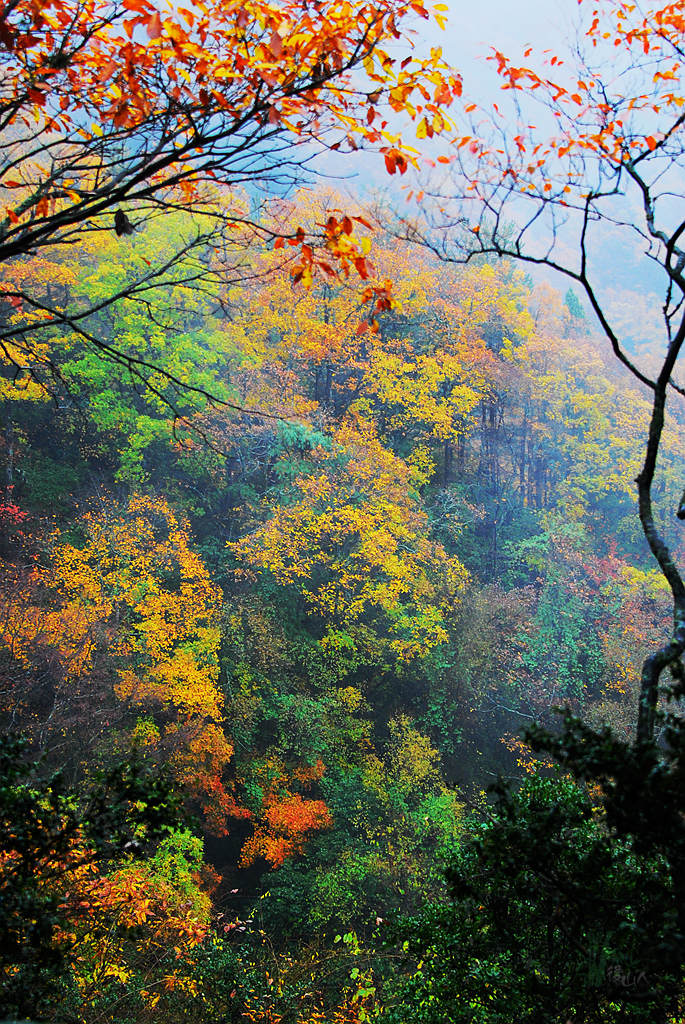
[{"x": 474, "y": 27}]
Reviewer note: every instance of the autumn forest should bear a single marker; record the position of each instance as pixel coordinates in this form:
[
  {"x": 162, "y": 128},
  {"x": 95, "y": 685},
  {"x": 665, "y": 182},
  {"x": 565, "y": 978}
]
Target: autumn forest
[{"x": 341, "y": 616}]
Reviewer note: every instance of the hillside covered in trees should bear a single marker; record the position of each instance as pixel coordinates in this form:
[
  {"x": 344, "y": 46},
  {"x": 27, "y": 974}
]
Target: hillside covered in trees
[
  {"x": 301, "y": 525},
  {"x": 331, "y": 622}
]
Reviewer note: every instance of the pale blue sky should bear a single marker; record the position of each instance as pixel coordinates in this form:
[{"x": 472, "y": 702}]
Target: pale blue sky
[{"x": 475, "y": 26}]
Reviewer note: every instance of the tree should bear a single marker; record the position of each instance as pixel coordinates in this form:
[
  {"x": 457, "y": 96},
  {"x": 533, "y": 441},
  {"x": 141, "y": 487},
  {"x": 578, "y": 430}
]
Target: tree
[
  {"x": 136, "y": 927},
  {"x": 613, "y": 160},
  {"x": 286, "y": 817},
  {"x": 135, "y": 611},
  {"x": 115, "y": 113},
  {"x": 350, "y": 541},
  {"x": 50, "y": 837},
  {"x": 552, "y": 916}
]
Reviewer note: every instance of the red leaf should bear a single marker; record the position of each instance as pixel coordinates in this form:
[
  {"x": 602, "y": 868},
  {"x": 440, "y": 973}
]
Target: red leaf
[
  {"x": 276, "y": 44},
  {"x": 362, "y": 270},
  {"x": 154, "y": 26},
  {"x": 7, "y": 34},
  {"x": 107, "y": 71}
]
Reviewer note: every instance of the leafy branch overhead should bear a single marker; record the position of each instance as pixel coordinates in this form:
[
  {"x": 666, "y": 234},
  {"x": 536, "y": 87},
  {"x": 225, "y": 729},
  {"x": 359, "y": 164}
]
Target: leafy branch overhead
[{"x": 106, "y": 104}]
